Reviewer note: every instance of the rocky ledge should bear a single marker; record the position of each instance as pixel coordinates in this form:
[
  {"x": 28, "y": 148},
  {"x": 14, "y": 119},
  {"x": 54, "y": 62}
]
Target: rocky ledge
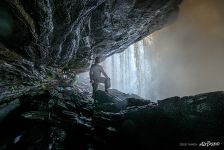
[{"x": 67, "y": 118}]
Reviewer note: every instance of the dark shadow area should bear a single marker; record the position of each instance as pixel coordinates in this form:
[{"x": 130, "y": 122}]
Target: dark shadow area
[{"x": 116, "y": 121}]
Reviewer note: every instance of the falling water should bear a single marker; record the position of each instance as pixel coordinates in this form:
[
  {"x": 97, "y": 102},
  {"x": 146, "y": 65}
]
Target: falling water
[
  {"x": 133, "y": 71},
  {"x": 130, "y": 71}
]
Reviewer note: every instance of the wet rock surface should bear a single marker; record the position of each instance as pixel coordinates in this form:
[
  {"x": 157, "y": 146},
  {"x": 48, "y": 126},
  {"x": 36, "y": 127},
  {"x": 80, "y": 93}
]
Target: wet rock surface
[
  {"x": 38, "y": 39},
  {"x": 65, "y": 118}
]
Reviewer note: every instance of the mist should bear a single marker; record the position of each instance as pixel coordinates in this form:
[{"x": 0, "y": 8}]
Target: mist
[
  {"x": 184, "y": 58},
  {"x": 189, "y": 53}
]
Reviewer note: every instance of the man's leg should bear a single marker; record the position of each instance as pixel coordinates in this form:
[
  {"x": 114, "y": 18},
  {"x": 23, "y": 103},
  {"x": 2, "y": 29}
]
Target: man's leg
[
  {"x": 105, "y": 82},
  {"x": 95, "y": 86}
]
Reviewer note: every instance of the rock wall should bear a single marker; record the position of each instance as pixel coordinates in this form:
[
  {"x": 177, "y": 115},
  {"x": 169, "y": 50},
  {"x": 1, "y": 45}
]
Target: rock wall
[{"x": 38, "y": 38}]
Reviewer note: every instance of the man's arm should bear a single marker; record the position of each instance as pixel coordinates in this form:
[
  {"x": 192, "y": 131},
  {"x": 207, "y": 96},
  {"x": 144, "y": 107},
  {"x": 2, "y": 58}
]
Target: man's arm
[{"x": 103, "y": 72}]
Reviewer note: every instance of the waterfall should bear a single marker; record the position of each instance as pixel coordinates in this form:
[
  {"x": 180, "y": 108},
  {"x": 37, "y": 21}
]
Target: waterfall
[{"x": 131, "y": 70}]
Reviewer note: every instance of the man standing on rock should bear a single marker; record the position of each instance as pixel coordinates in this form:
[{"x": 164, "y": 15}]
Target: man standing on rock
[{"x": 95, "y": 76}]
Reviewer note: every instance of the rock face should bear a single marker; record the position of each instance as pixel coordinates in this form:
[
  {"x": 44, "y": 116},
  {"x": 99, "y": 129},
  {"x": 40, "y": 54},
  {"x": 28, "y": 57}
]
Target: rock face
[
  {"x": 40, "y": 38},
  {"x": 65, "y": 119}
]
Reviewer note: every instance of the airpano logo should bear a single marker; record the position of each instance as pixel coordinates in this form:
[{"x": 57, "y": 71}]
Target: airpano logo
[
  {"x": 209, "y": 143},
  {"x": 202, "y": 144}
]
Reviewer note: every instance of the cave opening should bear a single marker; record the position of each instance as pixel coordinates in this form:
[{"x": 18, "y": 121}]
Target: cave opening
[{"x": 179, "y": 60}]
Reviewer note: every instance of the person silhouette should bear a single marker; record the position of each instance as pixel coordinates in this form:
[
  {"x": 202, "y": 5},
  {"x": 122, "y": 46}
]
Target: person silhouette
[{"x": 96, "y": 78}]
